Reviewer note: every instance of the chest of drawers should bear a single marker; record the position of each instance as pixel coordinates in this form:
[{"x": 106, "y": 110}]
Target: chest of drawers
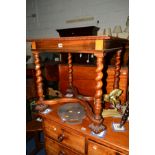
[{"x": 66, "y": 139}]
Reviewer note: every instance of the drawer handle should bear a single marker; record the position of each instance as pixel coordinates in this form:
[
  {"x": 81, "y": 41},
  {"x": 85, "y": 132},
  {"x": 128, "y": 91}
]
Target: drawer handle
[
  {"x": 60, "y": 138},
  {"x": 61, "y": 153}
]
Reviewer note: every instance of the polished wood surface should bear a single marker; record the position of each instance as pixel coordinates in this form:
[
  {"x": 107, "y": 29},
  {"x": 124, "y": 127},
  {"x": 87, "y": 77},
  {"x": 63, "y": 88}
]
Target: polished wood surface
[
  {"x": 54, "y": 148},
  {"x": 100, "y": 46},
  {"x": 51, "y": 72},
  {"x": 117, "y": 69},
  {"x": 83, "y": 79},
  {"x": 83, "y": 44},
  {"x": 95, "y": 148},
  {"x": 38, "y": 73},
  {"x": 81, "y": 141},
  {"x": 71, "y": 139}
]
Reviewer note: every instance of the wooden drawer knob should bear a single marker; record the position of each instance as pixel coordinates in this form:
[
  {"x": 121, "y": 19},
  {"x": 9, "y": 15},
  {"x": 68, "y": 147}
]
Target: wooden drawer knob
[
  {"x": 60, "y": 138},
  {"x": 61, "y": 153}
]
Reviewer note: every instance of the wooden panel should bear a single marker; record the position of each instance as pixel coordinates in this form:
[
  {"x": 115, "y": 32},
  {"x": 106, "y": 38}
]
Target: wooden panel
[
  {"x": 71, "y": 140},
  {"x": 63, "y": 45},
  {"x": 52, "y": 129},
  {"x": 54, "y": 148},
  {"x": 30, "y": 88},
  {"x": 84, "y": 79},
  {"x": 95, "y": 148},
  {"x": 51, "y": 72},
  {"x": 86, "y": 44}
]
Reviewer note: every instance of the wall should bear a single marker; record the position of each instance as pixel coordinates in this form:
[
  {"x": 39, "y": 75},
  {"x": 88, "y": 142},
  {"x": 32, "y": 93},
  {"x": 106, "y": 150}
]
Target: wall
[{"x": 52, "y": 15}]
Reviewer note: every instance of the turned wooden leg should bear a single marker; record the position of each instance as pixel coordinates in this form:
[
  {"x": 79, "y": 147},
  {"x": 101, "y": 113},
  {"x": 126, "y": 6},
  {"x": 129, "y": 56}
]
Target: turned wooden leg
[
  {"x": 98, "y": 95},
  {"x": 39, "y": 83},
  {"x": 117, "y": 70},
  {"x": 38, "y": 76},
  {"x": 38, "y": 72},
  {"x": 71, "y": 90},
  {"x": 70, "y": 70},
  {"x": 117, "y": 75}
]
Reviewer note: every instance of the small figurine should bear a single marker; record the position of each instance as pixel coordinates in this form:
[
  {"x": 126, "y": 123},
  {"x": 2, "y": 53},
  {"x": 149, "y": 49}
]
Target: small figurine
[{"x": 113, "y": 98}]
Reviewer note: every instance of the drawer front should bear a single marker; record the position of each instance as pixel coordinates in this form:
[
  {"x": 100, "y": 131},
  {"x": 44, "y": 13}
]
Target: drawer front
[
  {"x": 52, "y": 129},
  {"x": 62, "y": 45},
  {"x": 68, "y": 138},
  {"x": 54, "y": 148},
  {"x": 98, "y": 149}
]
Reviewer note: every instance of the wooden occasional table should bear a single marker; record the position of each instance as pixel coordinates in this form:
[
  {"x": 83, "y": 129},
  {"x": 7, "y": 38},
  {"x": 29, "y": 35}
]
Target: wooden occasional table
[{"x": 100, "y": 46}]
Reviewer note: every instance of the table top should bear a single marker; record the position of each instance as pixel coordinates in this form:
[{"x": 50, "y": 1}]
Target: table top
[
  {"x": 82, "y": 44},
  {"x": 78, "y": 38}
]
